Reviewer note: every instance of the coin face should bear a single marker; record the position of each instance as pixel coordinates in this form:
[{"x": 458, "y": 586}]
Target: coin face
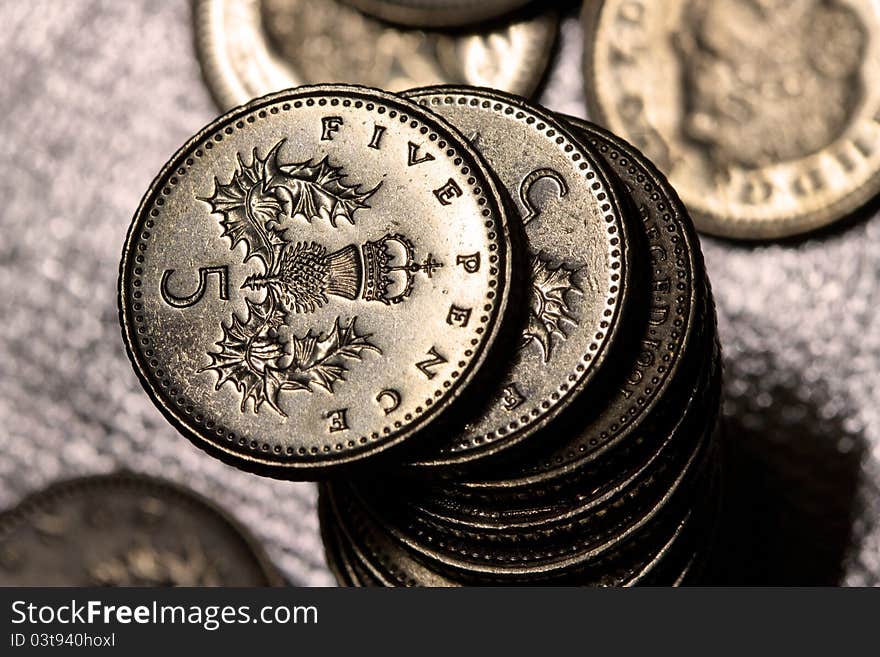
[
  {"x": 313, "y": 278},
  {"x": 764, "y": 115},
  {"x": 578, "y": 264},
  {"x": 126, "y": 530},
  {"x": 249, "y": 48},
  {"x": 436, "y": 13}
]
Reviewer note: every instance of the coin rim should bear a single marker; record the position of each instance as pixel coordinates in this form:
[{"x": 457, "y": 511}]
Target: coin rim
[
  {"x": 697, "y": 457},
  {"x": 459, "y": 15}
]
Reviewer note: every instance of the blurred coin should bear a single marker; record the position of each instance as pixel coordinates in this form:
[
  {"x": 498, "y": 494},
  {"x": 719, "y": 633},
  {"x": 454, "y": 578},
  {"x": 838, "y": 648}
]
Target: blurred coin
[
  {"x": 249, "y": 48},
  {"x": 764, "y": 114},
  {"x": 127, "y": 530},
  {"x": 436, "y": 13},
  {"x": 579, "y": 268},
  {"x": 313, "y": 278}
]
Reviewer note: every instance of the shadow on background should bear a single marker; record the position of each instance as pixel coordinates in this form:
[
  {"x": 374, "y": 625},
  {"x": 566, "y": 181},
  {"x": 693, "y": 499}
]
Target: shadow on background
[{"x": 791, "y": 479}]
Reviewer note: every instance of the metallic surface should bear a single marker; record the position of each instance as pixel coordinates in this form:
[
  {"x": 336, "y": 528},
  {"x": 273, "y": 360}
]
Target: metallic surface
[
  {"x": 578, "y": 259},
  {"x": 126, "y": 530},
  {"x": 425, "y": 13},
  {"x": 764, "y": 115},
  {"x": 592, "y": 489},
  {"x": 248, "y": 48},
  {"x": 98, "y": 98},
  {"x": 362, "y": 260},
  {"x": 561, "y": 545}
]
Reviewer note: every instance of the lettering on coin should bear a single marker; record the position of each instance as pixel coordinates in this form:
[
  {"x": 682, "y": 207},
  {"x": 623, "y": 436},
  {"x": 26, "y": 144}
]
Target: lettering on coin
[
  {"x": 511, "y": 397},
  {"x": 529, "y": 181},
  {"x": 435, "y": 361},
  {"x": 413, "y": 158},
  {"x": 378, "y": 131},
  {"x": 393, "y": 397},
  {"x": 330, "y": 125},
  {"x": 448, "y": 192},
  {"x": 458, "y": 316},
  {"x": 172, "y": 299},
  {"x": 471, "y": 263},
  {"x": 338, "y": 420}
]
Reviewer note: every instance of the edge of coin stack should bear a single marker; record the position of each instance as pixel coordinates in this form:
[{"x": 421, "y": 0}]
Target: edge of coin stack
[
  {"x": 640, "y": 510},
  {"x": 572, "y": 440}
]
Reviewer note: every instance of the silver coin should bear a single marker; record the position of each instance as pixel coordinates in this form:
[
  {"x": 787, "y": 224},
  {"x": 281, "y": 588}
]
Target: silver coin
[
  {"x": 249, "y": 48},
  {"x": 314, "y": 278},
  {"x": 579, "y": 270},
  {"x": 127, "y": 530}
]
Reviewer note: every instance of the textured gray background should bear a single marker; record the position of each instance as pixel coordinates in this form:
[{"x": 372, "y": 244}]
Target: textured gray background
[{"x": 96, "y": 96}]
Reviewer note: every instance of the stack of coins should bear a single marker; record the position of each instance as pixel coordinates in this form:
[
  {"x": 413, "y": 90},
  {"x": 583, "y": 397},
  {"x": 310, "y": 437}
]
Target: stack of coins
[
  {"x": 485, "y": 328},
  {"x": 593, "y": 458}
]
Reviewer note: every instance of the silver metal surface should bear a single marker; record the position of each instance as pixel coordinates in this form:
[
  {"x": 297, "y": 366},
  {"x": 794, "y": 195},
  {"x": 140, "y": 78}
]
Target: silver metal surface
[{"x": 98, "y": 95}]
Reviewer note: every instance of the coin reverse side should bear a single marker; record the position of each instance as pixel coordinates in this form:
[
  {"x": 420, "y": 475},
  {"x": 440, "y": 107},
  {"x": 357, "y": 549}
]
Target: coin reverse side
[
  {"x": 248, "y": 48},
  {"x": 764, "y": 115},
  {"x": 577, "y": 263},
  {"x": 126, "y": 530},
  {"x": 313, "y": 278}
]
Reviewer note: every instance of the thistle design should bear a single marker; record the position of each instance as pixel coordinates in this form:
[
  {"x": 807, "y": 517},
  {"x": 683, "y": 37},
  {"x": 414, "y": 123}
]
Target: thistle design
[
  {"x": 379, "y": 271},
  {"x": 550, "y": 309},
  {"x": 258, "y": 354},
  {"x": 263, "y": 194}
]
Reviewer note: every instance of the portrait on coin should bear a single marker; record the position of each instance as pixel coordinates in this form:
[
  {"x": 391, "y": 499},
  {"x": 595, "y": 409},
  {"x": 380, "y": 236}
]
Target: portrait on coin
[{"x": 768, "y": 81}]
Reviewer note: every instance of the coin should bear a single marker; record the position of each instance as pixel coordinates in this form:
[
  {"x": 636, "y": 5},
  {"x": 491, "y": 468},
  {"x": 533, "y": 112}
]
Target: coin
[
  {"x": 552, "y": 550},
  {"x": 392, "y": 564},
  {"x": 387, "y": 563},
  {"x": 436, "y": 13},
  {"x": 591, "y": 491},
  {"x": 578, "y": 265},
  {"x": 249, "y": 48},
  {"x": 313, "y": 278},
  {"x": 764, "y": 115},
  {"x": 678, "y": 563},
  {"x": 127, "y": 530},
  {"x": 672, "y": 318},
  {"x": 334, "y": 549}
]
